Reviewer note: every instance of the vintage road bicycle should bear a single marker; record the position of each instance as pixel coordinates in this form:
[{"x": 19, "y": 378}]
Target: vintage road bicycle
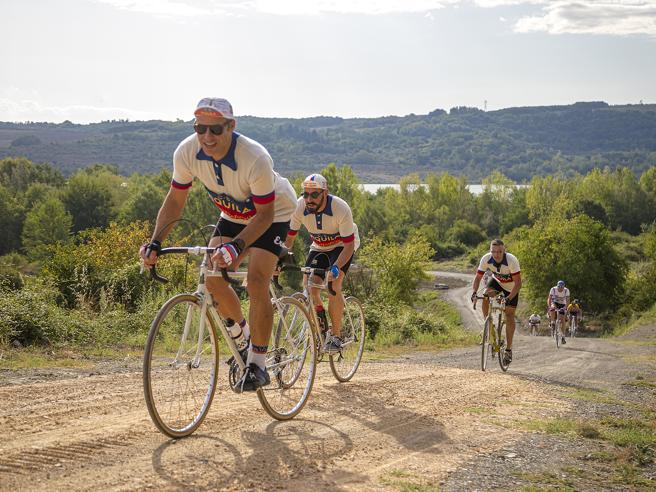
[
  {"x": 558, "y": 326},
  {"x": 493, "y": 340},
  {"x": 344, "y": 363},
  {"x": 181, "y": 360}
]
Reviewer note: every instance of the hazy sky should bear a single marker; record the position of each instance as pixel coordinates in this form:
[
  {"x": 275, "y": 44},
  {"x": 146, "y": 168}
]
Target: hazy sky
[{"x": 92, "y": 60}]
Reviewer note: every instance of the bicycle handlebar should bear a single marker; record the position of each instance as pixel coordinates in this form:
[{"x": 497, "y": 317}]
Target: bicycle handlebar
[
  {"x": 501, "y": 299},
  {"x": 196, "y": 250}
]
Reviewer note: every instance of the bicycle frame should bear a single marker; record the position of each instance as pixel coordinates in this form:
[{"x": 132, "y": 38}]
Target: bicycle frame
[{"x": 208, "y": 303}]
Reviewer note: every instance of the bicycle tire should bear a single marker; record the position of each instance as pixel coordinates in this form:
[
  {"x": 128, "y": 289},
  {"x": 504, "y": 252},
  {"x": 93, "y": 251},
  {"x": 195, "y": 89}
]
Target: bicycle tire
[
  {"x": 179, "y": 379},
  {"x": 485, "y": 343},
  {"x": 557, "y": 333},
  {"x": 346, "y": 363},
  {"x": 573, "y": 328},
  {"x": 502, "y": 343},
  {"x": 291, "y": 358}
]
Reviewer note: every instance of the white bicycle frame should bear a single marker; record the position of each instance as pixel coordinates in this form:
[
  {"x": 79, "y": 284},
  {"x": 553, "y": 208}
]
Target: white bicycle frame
[{"x": 207, "y": 306}]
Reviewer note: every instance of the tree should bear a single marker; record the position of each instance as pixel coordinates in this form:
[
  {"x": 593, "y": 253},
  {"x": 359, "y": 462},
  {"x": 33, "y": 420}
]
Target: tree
[
  {"x": 578, "y": 250},
  {"x": 89, "y": 200},
  {"x": 398, "y": 269},
  {"x": 47, "y": 223},
  {"x": 11, "y": 221}
]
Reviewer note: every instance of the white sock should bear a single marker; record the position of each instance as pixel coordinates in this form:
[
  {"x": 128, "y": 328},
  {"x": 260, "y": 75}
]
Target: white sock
[{"x": 255, "y": 358}]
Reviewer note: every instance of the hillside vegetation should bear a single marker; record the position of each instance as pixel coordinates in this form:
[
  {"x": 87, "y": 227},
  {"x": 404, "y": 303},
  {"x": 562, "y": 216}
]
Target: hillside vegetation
[
  {"x": 69, "y": 269},
  {"x": 518, "y": 142}
]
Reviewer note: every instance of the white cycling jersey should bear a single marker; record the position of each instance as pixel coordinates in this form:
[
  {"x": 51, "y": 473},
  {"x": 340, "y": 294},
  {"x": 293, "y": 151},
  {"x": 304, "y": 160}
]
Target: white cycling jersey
[
  {"x": 331, "y": 228},
  {"x": 241, "y": 180},
  {"x": 534, "y": 319},
  {"x": 560, "y": 297},
  {"x": 504, "y": 272}
]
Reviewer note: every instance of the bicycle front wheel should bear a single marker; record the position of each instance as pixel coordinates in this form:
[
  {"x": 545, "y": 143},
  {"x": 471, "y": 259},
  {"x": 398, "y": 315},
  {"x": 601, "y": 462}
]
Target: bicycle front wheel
[
  {"x": 557, "y": 333},
  {"x": 485, "y": 343},
  {"x": 347, "y": 361},
  {"x": 502, "y": 343},
  {"x": 291, "y": 360},
  {"x": 180, "y": 366}
]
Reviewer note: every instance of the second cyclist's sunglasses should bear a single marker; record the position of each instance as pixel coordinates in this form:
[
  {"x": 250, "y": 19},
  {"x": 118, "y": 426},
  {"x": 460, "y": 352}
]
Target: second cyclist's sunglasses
[
  {"x": 217, "y": 129},
  {"x": 312, "y": 194}
]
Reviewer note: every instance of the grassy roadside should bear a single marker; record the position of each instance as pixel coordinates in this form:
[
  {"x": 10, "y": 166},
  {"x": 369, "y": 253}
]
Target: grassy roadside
[{"x": 431, "y": 325}]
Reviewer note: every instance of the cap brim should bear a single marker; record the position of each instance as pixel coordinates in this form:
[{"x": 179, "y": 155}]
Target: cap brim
[{"x": 208, "y": 111}]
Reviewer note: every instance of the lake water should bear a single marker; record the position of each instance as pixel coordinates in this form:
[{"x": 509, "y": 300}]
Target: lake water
[{"x": 475, "y": 189}]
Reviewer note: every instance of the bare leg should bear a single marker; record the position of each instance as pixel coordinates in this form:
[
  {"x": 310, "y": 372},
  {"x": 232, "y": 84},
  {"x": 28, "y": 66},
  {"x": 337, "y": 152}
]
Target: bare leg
[
  {"x": 260, "y": 315},
  {"x": 510, "y": 326},
  {"x": 336, "y": 306},
  {"x": 225, "y": 297}
]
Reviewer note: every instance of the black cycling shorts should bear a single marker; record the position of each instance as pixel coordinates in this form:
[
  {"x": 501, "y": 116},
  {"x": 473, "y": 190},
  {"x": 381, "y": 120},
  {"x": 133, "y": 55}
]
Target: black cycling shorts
[
  {"x": 494, "y": 285},
  {"x": 273, "y": 239},
  {"x": 326, "y": 259},
  {"x": 559, "y": 306}
]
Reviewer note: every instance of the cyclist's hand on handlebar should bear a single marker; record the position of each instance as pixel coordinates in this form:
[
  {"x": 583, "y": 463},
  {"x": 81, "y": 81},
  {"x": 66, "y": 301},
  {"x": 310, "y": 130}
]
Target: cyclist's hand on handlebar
[
  {"x": 333, "y": 273},
  {"x": 226, "y": 255},
  {"x": 473, "y": 297},
  {"x": 149, "y": 252}
]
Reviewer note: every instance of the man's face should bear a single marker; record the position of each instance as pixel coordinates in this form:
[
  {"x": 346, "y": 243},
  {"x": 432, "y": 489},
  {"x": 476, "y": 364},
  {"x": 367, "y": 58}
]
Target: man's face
[
  {"x": 214, "y": 145},
  {"x": 314, "y": 199},
  {"x": 497, "y": 253}
]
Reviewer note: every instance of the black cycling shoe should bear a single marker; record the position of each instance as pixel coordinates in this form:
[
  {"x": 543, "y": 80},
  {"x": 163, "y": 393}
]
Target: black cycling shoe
[
  {"x": 254, "y": 377},
  {"x": 507, "y": 357},
  {"x": 563, "y": 341}
]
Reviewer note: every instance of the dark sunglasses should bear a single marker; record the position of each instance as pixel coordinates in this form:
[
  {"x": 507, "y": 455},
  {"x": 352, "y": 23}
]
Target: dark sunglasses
[
  {"x": 313, "y": 194},
  {"x": 215, "y": 129}
]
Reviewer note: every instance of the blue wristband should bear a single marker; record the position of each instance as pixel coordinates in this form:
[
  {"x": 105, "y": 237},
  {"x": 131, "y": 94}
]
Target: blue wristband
[{"x": 335, "y": 271}]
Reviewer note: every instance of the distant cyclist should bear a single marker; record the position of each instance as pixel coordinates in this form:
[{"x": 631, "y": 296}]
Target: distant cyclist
[
  {"x": 574, "y": 311},
  {"x": 534, "y": 322},
  {"x": 557, "y": 301},
  {"x": 506, "y": 279},
  {"x": 329, "y": 221}
]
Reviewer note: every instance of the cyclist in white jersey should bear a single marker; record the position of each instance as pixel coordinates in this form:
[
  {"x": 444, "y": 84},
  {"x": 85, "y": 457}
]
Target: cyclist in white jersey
[
  {"x": 335, "y": 239},
  {"x": 557, "y": 303},
  {"x": 256, "y": 204},
  {"x": 506, "y": 279}
]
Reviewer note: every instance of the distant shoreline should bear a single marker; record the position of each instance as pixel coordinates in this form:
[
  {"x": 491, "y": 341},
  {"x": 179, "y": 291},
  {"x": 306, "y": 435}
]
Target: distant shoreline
[{"x": 475, "y": 189}]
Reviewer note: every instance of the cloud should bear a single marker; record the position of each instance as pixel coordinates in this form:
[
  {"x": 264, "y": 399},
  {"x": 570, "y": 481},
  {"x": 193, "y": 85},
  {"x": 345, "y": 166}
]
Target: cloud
[
  {"x": 619, "y": 18},
  {"x": 612, "y": 17},
  {"x": 31, "y": 110},
  {"x": 195, "y": 8}
]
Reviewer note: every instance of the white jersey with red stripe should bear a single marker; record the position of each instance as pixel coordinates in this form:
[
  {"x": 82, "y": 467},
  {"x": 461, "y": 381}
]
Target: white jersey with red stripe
[
  {"x": 559, "y": 296},
  {"x": 504, "y": 272},
  {"x": 237, "y": 183},
  {"x": 331, "y": 228}
]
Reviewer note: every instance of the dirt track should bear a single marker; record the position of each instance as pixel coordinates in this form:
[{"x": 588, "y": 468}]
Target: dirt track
[{"x": 427, "y": 420}]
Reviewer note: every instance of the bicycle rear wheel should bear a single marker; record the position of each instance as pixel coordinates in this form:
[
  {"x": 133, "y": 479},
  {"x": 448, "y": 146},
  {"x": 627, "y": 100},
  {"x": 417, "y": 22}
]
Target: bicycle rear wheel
[
  {"x": 291, "y": 361},
  {"x": 485, "y": 343},
  {"x": 501, "y": 338},
  {"x": 180, "y": 366},
  {"x": 347, "y": 361}
]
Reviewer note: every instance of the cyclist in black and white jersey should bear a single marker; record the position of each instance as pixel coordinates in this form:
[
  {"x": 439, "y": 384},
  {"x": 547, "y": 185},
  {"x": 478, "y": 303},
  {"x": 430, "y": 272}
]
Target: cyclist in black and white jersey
[
  {"x": 335, "y": 239},
  {"x": 557, "y": 302},
  {"x": 255, "y": 203},
  {"x": 505, "y": 277}
]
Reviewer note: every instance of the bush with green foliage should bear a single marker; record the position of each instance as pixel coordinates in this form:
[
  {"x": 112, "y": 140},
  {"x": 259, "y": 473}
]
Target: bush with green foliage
[
  {"x": 578, "y": 250},
  {"x": 398, "y": 269}
]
